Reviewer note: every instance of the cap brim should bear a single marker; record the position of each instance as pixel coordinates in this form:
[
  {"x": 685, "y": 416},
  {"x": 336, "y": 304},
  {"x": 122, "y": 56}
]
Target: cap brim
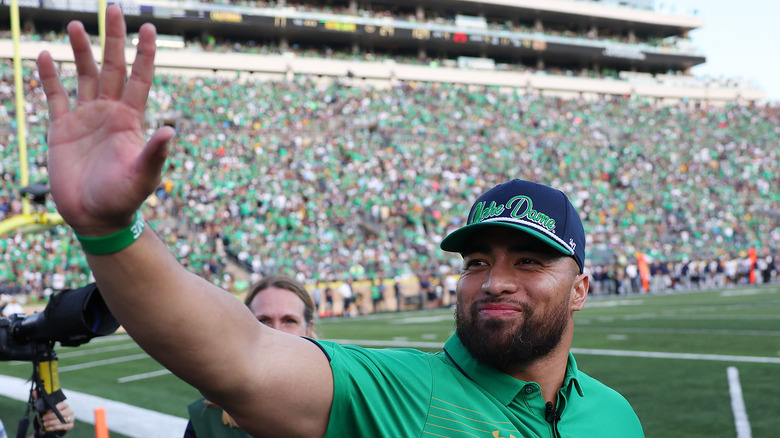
[{"x": 456, "y": 241}]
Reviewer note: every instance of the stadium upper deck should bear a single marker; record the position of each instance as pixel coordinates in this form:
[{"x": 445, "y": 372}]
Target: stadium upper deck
[{"x": 555, "y": 47}]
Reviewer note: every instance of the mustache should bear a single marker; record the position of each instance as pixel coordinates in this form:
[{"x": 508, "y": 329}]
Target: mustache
[{"x": 526, "y": 308}]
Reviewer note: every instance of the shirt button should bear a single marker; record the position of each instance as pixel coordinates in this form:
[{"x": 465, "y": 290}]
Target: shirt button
[{"x": 529, "y": 389}]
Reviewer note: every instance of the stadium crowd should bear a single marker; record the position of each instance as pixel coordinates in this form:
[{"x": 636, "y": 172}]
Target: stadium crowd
[{"x": 324, "y": 181}]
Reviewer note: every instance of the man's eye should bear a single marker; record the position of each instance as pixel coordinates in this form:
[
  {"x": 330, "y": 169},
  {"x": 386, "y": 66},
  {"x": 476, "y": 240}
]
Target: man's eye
[
  {"x": 474, "y": 263},
  {"x": 527, "y": 261},
  {"x": 290, "y": 321}
]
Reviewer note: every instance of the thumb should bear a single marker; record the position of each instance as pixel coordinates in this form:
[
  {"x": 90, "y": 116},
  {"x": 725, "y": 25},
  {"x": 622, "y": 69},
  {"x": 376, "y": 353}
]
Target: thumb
[{"x": 150, "y": 162}]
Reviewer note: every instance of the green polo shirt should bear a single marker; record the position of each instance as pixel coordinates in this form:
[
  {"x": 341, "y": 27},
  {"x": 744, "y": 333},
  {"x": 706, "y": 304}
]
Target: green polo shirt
[
  {"x": 409, "y": 393},
  {"x": 207, "y": 422}
]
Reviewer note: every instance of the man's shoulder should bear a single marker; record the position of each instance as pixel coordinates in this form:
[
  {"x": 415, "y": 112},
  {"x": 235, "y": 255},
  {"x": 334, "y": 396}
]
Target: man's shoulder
[
  {"x": 606, "y": 405},
  {"x": 592, "y": 387},
  {"x": 333, "y": 347},
  {"x": 393, "y": 360}
]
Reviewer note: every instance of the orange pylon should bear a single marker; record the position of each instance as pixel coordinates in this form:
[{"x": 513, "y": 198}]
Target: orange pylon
[{"x": 101, "y": 427}]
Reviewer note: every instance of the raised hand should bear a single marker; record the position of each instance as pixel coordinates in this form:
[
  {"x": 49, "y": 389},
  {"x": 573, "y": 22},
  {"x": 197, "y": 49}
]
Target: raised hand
[{"x": 101, "y": 169}]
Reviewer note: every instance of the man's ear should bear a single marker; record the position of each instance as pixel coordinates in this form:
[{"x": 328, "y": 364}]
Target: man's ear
[{"x": 580, "y": 289}]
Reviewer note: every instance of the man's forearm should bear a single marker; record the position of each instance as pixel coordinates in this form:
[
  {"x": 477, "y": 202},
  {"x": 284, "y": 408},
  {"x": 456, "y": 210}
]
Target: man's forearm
[{"x": 169, "y": 311}]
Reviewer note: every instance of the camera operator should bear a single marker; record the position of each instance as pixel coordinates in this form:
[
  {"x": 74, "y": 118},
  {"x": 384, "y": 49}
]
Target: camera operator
[
  {"x": 72, "y": 317},
  {"x": 50, "y": 422}
]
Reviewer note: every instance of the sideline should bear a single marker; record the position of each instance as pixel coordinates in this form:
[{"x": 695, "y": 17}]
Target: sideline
[
  {"x": 121, "y": 418},
  {"x": 738, "y": 404}
]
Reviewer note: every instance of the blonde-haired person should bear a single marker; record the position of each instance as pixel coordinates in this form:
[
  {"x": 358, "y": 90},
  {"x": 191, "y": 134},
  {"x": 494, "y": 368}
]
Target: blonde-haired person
[
  {"x": 280, "y": 302},
  {"x": 273, "y": 302}
]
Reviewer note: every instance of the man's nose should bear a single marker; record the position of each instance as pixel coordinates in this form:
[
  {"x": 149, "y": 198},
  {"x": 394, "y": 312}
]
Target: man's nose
[{"x": 501, "y": 279}]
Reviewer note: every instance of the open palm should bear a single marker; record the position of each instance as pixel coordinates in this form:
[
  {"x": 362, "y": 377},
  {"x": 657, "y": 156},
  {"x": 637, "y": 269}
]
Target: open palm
[{"x": 101, "y": 169}]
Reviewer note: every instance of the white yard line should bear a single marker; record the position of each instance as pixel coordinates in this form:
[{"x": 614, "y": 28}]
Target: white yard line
[
  {"x": 689, "y": 356},
  {"x": 88, "y": 351},
  {"x": 99, "y": 363},
  {"x": 727, "y": 332},
  {"x": 143, "y": 376},
  {"x": 738, "y": 404}
]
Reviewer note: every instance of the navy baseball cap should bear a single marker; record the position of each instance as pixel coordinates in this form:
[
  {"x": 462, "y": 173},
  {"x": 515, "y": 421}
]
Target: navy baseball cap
[{"x": 535, "y": 209}]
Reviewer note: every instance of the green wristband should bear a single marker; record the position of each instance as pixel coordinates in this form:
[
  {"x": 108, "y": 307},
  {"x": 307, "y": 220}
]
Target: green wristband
[{"x": 113, "y": 242}]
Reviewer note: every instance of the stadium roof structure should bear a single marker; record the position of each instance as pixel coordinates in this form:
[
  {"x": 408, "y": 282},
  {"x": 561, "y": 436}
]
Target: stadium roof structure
[{"x": 559, "y": 47}]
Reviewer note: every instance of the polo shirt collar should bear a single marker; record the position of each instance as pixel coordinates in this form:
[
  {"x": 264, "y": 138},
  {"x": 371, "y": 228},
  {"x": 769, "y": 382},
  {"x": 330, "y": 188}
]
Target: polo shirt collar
[
  {"x": 499, "y": 384},
  {"x": 571, "y": 376}
]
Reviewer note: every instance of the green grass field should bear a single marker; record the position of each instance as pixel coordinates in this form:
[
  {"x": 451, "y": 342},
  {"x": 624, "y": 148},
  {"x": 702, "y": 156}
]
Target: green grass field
[{"x": 668, "y": 354}]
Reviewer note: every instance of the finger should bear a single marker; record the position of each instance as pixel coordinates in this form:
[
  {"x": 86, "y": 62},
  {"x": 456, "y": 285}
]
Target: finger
[
  {"x": 149, "y": 164},
  {"x": 53, "y": 421},
  {"x": 114, "y": 72},
  {"x": 56, "y": 425},
  {"x": 50, "y": 419},
  {"x": 64, "y": 409},
  {"x": 85, "y": 62},
  {"x": 142, "y": 76},
  {"x": 56, "y": 95}
]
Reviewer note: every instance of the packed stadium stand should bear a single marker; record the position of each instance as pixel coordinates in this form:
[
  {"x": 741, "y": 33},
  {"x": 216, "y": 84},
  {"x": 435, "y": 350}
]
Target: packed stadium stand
[{"x": 329, "y": 139}]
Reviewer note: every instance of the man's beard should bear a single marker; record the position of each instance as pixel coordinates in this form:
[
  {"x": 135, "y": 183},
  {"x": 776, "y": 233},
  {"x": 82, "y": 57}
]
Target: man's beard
[{"x": 504, "y": 343}]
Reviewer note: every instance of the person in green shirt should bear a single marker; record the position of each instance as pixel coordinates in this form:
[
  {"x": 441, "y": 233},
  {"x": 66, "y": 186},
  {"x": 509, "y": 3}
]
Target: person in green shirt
[
  {"x": 507, "y": 371},
  {"x": 279, "y": 302}
]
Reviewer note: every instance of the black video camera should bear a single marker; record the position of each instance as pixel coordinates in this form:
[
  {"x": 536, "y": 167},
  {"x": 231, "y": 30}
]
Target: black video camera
[{"x": 72, "y": 318}]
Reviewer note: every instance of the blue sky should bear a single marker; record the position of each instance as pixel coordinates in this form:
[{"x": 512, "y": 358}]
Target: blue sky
[{"x": 739, "y": 39}]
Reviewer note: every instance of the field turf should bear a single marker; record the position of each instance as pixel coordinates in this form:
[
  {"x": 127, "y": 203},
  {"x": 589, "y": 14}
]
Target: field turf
[{"x": 667, "y": 354}]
